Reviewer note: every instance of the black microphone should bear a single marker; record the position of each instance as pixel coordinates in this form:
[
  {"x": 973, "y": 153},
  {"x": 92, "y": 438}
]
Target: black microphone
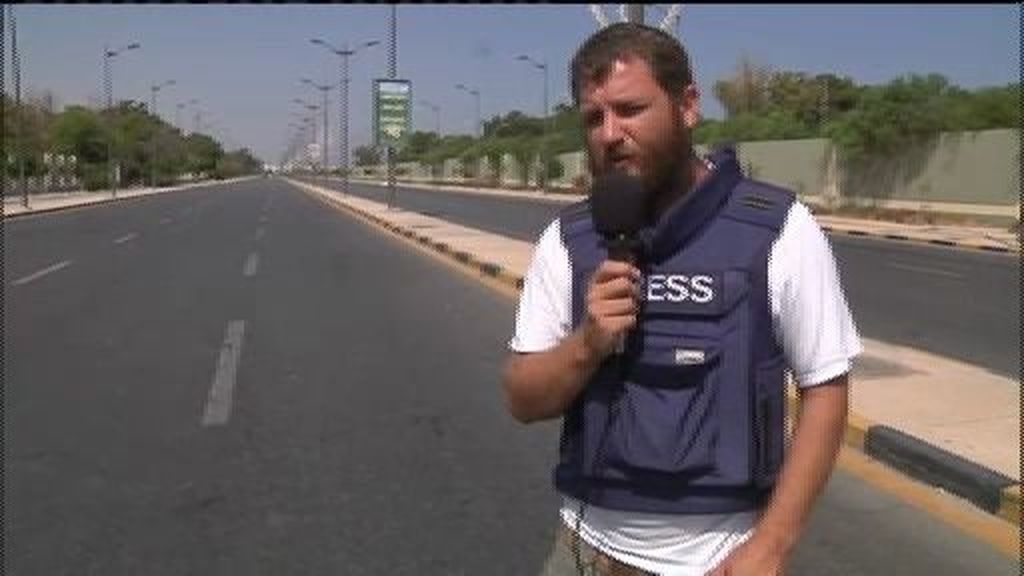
[{"x": 618, "y": 204}]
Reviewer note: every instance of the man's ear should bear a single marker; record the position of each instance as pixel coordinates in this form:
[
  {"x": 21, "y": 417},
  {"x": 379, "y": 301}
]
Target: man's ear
[{"x": 689, "y": 106}]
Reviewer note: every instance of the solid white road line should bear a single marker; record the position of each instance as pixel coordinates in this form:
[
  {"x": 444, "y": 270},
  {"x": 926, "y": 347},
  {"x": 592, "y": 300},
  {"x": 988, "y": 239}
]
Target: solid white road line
[
  {"x": 125, "y": 238},
  {"x": 218, "y": 405},
  {"x": 251, "y": 263},
  {"x": 41, "y": 273},
  {"x": 260, "y": 233}
]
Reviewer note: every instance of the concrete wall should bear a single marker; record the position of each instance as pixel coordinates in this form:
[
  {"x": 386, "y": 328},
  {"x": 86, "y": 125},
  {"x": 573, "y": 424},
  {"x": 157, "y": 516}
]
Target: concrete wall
[
  {"x": 965, "y": 167},
  {"x": 574, "y": 164},
  {"x": 799, "y": 165},
  {"x": 969, "y": 168}
]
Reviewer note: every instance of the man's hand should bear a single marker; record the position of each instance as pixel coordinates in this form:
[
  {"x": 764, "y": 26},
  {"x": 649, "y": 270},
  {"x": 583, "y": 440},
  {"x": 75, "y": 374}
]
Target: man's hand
[
  {"x": 542, "y": 385},
  {"x": 755, "y": 557},
  {"x": 809, "y": 461},
  {"x": 613, "y": 297}
]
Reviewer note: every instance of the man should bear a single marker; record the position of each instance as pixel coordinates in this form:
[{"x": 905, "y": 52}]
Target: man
[{"x": 671, "y": 459}]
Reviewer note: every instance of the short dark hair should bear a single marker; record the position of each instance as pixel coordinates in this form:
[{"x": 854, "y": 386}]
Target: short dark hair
[{"x": 662, "y": 52}]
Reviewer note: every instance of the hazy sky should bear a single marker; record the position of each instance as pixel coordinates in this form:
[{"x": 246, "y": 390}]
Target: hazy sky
[{"x": 243, "y": 62}]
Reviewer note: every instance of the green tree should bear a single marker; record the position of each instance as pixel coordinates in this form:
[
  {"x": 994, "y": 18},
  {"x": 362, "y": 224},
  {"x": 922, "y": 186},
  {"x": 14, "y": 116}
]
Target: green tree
[
  {"x": 172, "y": 156},
  {"x": 237, "y": 163},
  {"x": 746, "y": 91},
  {"x": 515, "y": 123},
  {"x": 366, "y": 156},
  {"x": 419, "y": 143},
  {"x": 26, "y": 135},
  {"x": 80, "y": 131},
  {"x": 893, "y": 117},
  {"x": 450, "y": 146},
  {"x": 202, "y": 153},
  {"x": 984, "y": 109}
]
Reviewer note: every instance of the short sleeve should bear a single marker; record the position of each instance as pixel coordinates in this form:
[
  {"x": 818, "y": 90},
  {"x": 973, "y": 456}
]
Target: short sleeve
[
  {"x": 812, "y": 320},
  {"x": 543, "y": 313}
]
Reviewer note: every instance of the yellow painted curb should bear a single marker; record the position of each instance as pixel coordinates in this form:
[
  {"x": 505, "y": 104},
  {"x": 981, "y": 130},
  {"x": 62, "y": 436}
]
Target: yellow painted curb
[
  {"x": 1009, "y": 504},
  {"x": 509, "y": 278},
  {"x": 857, "y": 428}
]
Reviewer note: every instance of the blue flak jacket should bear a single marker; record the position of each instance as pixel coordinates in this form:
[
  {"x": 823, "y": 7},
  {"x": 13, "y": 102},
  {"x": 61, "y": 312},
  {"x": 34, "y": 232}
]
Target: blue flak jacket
[{"x": 690, "y": 418}]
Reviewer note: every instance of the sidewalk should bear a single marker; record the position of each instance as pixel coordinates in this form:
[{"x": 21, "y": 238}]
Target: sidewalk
[
  {"x": 978, "y": 237},
  {"x": 13, "y": 205},
  {"x": 945, "y": 423}
]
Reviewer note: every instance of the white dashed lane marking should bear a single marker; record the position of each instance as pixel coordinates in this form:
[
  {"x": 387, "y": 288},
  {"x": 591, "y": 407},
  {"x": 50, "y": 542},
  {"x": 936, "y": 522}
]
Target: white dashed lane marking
[
  {"x": 41, "y": 273},
  {"x": 924, "y": 270},
  {"x": 251, "y": 263},
  {"x": 218, "y": 404}
]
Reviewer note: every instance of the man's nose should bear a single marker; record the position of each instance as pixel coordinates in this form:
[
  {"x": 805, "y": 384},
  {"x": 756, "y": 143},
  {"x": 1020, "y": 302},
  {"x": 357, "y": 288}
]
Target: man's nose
[{"x": 611, "y": 130}]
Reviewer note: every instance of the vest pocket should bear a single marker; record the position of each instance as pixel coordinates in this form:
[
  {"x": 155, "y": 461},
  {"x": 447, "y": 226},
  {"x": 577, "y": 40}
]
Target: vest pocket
[
  {"x": 667, "y": 412},
  {"x": 769, "y": 421}
]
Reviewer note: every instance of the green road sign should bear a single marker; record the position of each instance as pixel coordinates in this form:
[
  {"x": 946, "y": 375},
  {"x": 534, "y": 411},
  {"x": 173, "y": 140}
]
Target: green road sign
[{"x": 392, "y": 116}]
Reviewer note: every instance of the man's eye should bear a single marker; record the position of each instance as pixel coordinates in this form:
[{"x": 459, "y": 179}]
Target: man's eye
[
  {"x": 593, "y": 118},
  {"x": 632, "y": 109}
]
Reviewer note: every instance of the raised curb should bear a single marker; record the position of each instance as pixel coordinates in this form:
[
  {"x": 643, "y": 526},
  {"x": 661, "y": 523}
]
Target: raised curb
[
  {"x": 991, "y": 491},
  {"x": 911, "y": 239},
  {"x": 557, "y": 197},
  {"x": 36, "y": 211}
]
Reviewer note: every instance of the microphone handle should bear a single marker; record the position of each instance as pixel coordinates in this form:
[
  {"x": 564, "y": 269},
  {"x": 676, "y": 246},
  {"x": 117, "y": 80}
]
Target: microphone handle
[{"x": 621, "y": 249}]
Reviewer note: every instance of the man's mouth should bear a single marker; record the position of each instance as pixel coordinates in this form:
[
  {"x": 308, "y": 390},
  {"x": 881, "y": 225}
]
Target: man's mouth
[{"x": 621, "y": 162}]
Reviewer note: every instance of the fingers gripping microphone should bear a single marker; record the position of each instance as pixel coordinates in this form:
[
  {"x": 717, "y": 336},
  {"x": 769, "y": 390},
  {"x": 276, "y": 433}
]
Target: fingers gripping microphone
[{"x": 618, "y": 204}]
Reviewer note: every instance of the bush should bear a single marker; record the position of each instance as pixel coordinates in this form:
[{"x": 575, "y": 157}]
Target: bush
[
  {"x": 580, "y": 184},
  {"x": 555, "y": 169},
  {"x": 94, "y": 177}
]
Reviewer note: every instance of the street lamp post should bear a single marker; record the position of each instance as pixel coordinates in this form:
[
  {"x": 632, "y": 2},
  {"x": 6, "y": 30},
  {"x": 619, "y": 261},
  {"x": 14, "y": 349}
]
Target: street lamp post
[
  {"x": 310, "y": 131},
  {"x": 324, "y": 89},
  {"x": 108, "y": 84},
  {"x": 344, "y": 53},
  {"x": 299, "y": 138},
  {"x": 635, "y": 13},
  {"x": 437, "y": 116},
  {"x": 476, "y": 94},
  {"x": 311, "y": 108},
  {"x": 16, "y": 65},
  {"x": 437, "y": 130},
  {"x": 289, "y": 157},
  {"x": 392, "y": 74},
  {"x": 153, "y": 90},
  {"x": 191, "y": 102},
  {"x": 543, "y": 67},
  {"x": 152, "y": 163},
  {"x": 177, "y": 114}
]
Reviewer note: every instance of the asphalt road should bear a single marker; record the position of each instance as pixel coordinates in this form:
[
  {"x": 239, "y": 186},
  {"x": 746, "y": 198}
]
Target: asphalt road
[
  {"x": 963, "y": 304},
  {"x": 362, "y": 432}
]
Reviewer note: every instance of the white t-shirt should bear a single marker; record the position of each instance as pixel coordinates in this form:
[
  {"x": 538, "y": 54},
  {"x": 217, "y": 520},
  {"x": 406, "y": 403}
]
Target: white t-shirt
[{"x": 812, "y": 324}]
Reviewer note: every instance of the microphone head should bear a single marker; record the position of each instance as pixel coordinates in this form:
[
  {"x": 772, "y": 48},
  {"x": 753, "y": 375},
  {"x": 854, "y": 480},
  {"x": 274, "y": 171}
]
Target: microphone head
[{"x": 618, "y": 203}]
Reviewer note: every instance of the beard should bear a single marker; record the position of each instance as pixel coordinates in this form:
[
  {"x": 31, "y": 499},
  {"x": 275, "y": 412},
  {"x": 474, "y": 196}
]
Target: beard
[
  {"x": 668, "y": 164},
  {"x": 664, "y": 169}
]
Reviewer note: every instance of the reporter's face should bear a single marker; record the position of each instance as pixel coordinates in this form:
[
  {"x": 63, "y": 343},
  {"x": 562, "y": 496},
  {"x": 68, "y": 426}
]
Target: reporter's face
[{"x": 632, "y": 125}]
